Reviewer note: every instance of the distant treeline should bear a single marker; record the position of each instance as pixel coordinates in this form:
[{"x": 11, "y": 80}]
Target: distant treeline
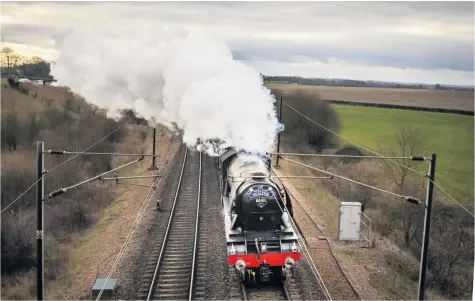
[
  {"x": 29, "y": 70},
  {"x": 357, "y": 83},
  {"x": 401, "y": 107},
  {"x": 16, "y": 64}
]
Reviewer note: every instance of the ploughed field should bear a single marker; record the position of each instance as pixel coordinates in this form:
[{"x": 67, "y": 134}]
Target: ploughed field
[{"x": 426, "y": 98}]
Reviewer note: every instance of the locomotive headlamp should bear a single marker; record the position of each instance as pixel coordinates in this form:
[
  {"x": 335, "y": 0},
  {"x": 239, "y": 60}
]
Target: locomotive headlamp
[
  {"x": 294, "y": 247},
  {"x": 263, "y": 247},
  {"x": 232, "y": 251}
]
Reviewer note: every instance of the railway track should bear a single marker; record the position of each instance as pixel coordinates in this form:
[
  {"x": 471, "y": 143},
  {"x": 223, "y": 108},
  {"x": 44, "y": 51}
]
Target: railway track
[
  {"x": 285, "y": 290},
  {"x": 170, "y": 272},
  {"x": 274, "y": 292}
]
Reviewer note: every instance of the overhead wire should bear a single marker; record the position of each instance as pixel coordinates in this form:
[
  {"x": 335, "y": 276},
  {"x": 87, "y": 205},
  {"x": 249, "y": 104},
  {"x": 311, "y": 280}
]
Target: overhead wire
[
  {"x": 348, "y": 179},
  {"x": 61, "y": 164},
  {"x": 446, "y": 193},
  {"x": 368, "y": 149},
  {"x": 348, "y": 156}
]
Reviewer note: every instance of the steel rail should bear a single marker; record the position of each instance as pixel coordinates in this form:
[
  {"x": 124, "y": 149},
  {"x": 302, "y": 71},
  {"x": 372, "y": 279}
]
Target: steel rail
[
  {"x": 196, "y": 234},
  {"x": 286, "y": 291},
  {"x": 162, "y": 249},
  {"x": 243, "y": 291}
]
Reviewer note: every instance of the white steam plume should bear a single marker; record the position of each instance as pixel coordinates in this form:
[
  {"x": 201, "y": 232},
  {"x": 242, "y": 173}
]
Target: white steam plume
[{"x": 176, "y": 78}]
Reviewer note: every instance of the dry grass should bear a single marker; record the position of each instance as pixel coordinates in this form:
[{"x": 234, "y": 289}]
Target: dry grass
[
  {"x": 462, "y": 100},
  {"x": 384, "y": 272},
  {"x": 36, "y": 99},
  {"x": 73, "y": 252},
  {"x": 92, "y": 252},
  {"x": 19, "y": 287}
]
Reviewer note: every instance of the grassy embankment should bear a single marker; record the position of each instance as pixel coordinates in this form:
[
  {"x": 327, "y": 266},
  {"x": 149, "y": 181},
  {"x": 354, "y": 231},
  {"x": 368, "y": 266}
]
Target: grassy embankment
[{"x": 64, "y": 120}]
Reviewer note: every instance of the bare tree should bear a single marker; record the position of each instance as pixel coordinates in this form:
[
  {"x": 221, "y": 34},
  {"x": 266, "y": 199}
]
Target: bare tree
[
  {"x": 11, "y": 132},
  {"x": 409, "y": 142},
  {"x": 411, "y": 216},
  {"x": 452, "y": 251}
]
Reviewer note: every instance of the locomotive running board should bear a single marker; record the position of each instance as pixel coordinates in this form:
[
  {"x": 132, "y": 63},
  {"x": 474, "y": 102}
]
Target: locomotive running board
[{"x": 227, "y": 218}]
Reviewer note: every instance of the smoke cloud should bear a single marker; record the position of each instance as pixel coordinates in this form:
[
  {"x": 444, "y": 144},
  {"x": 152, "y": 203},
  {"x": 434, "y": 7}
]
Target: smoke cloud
[{"x": 175, "y": 78}]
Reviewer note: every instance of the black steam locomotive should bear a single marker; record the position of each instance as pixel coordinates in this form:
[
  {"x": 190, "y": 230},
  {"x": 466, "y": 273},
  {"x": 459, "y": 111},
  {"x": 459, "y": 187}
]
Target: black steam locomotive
[{"x": 261, "y": 242}]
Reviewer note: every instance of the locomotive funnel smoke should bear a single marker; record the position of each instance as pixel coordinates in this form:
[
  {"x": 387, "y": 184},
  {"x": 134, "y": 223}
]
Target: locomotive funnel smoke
[{"x": 183, "y": 79}]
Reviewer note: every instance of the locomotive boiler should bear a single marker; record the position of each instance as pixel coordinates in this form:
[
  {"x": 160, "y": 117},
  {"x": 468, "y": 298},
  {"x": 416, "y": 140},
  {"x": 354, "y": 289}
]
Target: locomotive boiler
[{"x": 261, "y": 243}]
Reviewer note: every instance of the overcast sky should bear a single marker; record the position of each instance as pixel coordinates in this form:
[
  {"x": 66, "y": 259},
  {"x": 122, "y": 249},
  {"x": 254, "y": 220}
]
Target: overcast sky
[{"x": 426, "y": 42}]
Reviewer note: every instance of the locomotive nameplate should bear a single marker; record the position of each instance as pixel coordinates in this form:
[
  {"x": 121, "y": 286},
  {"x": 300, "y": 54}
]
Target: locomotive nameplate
[{"x": 262, "y": 191}]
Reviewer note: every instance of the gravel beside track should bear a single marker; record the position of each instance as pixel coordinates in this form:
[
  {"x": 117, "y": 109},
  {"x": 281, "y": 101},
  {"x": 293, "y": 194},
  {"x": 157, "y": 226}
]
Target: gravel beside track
[
  {"x": 268, "y": 292},
  {"x": 337, "y": 284},
  {"x": 149, "y": 232},
  {"x": 216, "y": 256}
]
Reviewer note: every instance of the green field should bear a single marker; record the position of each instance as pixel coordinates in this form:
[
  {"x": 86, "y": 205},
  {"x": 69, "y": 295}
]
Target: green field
[{"x": 450, "y": 136}]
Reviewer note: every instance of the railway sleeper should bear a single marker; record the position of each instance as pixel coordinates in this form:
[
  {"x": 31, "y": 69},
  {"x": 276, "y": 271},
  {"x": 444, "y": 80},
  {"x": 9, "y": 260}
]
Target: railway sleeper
[
  {"x": 176, "y": 270},
  {"x": 173, "y": 285},
  {"x": 176, "y": 279},
  {"x": 176, "y": 262}
]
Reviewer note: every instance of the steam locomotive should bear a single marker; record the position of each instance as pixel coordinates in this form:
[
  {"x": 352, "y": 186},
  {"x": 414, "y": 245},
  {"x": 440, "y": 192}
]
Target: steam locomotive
[{"x": 261, "y": 243}]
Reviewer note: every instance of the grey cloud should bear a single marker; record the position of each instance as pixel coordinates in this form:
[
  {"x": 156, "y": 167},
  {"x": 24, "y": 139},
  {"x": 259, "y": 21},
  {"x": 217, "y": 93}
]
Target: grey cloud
[
  {"x": 351, "y": 22},
  {"x": 33, "y": 34},
  {"x": 408, "y": 53},
  {"x": 284, "y": 14}
]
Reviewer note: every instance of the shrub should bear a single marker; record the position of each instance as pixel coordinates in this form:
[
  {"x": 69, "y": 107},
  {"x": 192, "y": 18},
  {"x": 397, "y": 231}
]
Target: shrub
[
  {"x": 350, "y": 150},
  {"x": 319, "y": 111},
  {"x": 53, "y": 121},
  {"x": 131, "y": 116},
  {"x": 18, "y": 244},
  {"x": 12, "y": 132}
]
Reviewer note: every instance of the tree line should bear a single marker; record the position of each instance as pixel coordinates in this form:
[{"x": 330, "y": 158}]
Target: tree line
[
  {"x": 16, "y": 64},
  {"x": 356, "y": 83}
]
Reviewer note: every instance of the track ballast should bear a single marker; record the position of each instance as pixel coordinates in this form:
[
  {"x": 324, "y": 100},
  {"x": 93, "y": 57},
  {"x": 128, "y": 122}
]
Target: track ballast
[{"x": 174, "y": 261}]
